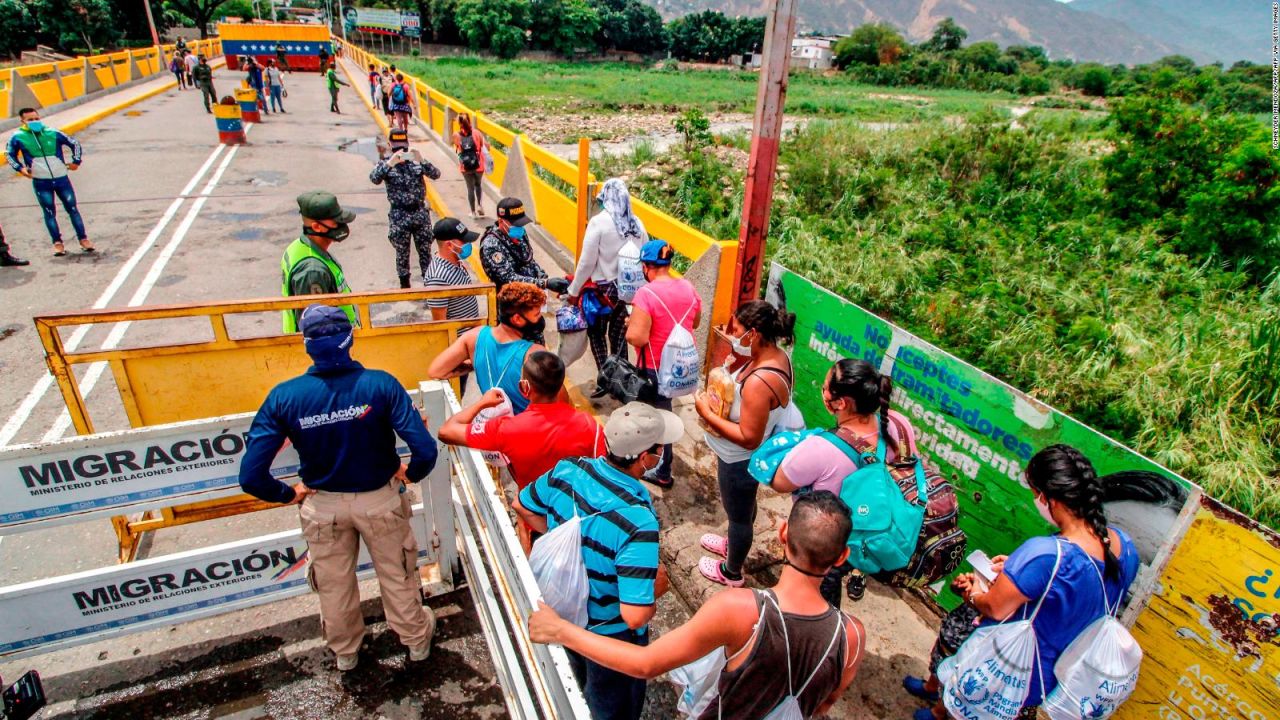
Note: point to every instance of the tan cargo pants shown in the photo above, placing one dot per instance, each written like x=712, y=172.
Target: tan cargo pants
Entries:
x=334, y=524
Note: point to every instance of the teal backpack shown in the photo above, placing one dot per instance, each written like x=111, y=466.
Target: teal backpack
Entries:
x=886, y=527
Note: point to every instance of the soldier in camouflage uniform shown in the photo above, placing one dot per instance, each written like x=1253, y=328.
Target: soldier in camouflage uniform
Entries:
x=403, y=171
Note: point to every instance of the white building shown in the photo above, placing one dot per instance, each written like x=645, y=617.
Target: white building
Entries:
x=813, y=53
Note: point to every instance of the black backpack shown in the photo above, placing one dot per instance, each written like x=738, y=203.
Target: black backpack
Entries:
x=468, y=155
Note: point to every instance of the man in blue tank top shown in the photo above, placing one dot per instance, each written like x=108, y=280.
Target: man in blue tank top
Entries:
x=496, y=354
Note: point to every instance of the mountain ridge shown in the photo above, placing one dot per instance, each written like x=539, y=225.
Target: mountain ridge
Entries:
x=1076, y=33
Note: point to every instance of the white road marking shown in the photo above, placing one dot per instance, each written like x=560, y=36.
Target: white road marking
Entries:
x=91, y=377
x=19, y=417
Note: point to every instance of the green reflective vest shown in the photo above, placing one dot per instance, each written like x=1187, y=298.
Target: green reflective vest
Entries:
x=298, y=251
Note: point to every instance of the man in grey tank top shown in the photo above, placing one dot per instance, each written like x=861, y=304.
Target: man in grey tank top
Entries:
x=821, y=646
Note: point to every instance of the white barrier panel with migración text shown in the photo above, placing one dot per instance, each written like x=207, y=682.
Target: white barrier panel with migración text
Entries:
x=116, y=472
x=69, y=610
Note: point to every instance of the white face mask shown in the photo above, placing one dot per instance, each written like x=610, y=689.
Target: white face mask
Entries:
x=1043, y=507
x=739, y=348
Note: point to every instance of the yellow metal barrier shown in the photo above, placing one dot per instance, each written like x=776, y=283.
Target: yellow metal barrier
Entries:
x=225, y=375
x=59, y=82
x=174, y=382
x=560, y=215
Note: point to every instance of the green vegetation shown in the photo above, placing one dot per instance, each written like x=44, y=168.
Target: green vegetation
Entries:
x=1116, y=268
x=608, y=87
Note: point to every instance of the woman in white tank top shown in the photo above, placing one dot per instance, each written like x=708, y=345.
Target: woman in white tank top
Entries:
x=762, y=396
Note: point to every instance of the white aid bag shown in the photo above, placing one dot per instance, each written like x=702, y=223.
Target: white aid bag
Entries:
x=680, y=365
x=561, y=572
x=990, y=676
x=630, y=272
x=701, y=682
x=504, y=409
x=1098, y=670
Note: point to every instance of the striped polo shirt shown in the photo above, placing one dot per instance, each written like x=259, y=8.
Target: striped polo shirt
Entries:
x=619, y=533
x=442, y=273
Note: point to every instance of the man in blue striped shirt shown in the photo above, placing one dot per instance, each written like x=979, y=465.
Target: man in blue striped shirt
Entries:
x=619, y=542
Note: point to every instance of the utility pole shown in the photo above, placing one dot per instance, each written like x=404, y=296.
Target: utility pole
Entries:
x=155, y=36
x=766, y=136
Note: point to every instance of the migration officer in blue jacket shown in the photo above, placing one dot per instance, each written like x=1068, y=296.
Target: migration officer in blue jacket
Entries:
x=343, y=420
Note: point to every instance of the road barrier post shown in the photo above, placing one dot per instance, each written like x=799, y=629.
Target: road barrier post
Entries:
x=247, y=98
x=229, y=122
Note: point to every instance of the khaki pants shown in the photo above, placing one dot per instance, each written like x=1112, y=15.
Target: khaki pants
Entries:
x=333, y=524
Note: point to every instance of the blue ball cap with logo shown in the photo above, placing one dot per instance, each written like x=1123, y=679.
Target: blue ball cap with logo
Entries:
x=323, y=320
x=656, y=252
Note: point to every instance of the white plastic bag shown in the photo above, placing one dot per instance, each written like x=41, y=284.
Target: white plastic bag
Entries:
x=561, y=573
x=1098, y=670
x=493, y=457
x=681, y=364
x=701, y=682
x=630, y=272
x=990, y=676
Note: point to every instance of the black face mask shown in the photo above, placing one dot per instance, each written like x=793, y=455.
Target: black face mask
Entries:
x=531, y=331
x=336, y=234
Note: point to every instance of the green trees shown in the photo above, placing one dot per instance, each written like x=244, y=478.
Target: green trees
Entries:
x=871, y=44
x=1210, y=184
x=564, y=26
x=496, y=25
x=16, y=27
x=72, y=24
x=947, y=37
x=200, y=11
x=710, y=36
x=629, y=25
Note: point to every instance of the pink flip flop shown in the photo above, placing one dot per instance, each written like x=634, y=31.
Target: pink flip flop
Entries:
x=710, y=569
x=714, y=543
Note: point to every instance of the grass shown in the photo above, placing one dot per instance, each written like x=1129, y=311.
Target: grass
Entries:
x=600, y=88
x=991, y=243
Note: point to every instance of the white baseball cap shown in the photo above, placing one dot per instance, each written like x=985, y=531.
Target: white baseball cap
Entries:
x=635, y=427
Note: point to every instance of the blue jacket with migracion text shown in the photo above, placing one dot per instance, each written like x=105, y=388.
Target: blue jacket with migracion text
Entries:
x=343, y=422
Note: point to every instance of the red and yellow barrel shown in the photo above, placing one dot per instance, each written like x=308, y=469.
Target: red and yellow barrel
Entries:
x=230, y=124
x=247, y=99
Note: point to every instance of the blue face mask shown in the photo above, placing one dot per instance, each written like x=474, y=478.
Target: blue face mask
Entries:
x=515, y=233
x=35, y=126
x=465, y=252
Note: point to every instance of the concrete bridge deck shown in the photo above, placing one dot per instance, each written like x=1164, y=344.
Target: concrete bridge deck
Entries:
x=178, y=218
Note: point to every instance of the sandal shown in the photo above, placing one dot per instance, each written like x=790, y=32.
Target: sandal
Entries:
x=713, y=570
x=915, y=687
x=714, y=543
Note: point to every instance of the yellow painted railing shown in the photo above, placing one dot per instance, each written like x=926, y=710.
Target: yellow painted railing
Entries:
x=558, y=213
x=59, y=82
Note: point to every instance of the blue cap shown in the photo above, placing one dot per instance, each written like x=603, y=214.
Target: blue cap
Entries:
x=656, y=252
x=323, y=320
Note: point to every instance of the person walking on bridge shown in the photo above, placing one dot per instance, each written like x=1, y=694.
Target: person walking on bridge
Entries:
x=189, y=63
x=343, y=420
x=331, y=79
x=275, y=86
x=409, y=220
x=282, y=58
x=203, y=76
x=254, y=77
x=35, y=151
x=307, y=267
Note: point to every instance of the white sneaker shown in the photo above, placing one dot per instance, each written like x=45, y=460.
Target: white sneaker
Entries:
x=418, y=653
x=347, y=663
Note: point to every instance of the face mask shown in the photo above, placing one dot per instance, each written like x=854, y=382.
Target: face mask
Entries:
x=1043, y=507
x=336, y=234
x=329, y=351
x=739, y=348
x=35, y=126
x=657, y=464
x=465, y=252
x=515, y=233
x=532, y=330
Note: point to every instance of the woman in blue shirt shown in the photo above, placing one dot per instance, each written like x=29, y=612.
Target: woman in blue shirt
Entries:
x=1068, y=494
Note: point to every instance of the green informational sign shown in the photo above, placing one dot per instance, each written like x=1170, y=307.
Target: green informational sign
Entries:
x=976, y=429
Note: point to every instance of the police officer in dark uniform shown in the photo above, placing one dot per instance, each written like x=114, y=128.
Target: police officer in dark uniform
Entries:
x=403, y=171
x=507, y=255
